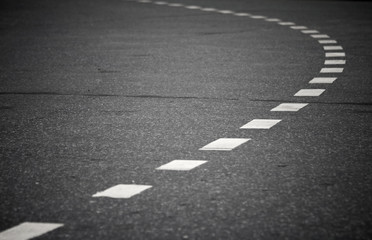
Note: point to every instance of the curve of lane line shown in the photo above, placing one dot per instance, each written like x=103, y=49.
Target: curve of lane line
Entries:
x=333, y=65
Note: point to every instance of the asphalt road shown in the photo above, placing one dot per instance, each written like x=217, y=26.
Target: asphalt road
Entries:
x=99, y=93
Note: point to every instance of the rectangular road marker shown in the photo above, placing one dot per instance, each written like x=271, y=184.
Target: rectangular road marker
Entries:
x=225, y=144
x=332, y=47
x=257, y=17
x=181, y=165
x=310, y=31
x=323, y=80
x=286, y=23
x=309, y=92
x=225, y=11
x=242, y=14
x=298, y=27
x=175, y=4
x=208, y=9
x=327, y=41
x=272, y=19
x=331, y=70
x=28, y=230
x=319, y=36
x=334, y=62
x=289, y=107
x=261, y=124
x=335, y=54
x=122, y=191
x=193, y=7
x=160, y=3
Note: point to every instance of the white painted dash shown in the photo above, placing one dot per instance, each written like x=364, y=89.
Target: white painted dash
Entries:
x=332, y=47
x=319, y=36
x=272, y=19
x=175, y=5
x=160, y=3
x=242, y=14
x=323, y=80
x=28, y=230
x=225, y=144
x=334, y=62
x=261, y=124
x=257, y=17
x=208, y=9
x=122, y=191
x=327, y=41
x=310, y=31
x=225, y=11
x=309, y=92
x=181, y=165
x=298, y=27
x=289, y=107
x=331, y=70
x=286, y=23
x=335, y=54
x=193, y=7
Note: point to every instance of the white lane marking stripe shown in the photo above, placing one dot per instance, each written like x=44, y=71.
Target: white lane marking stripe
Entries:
x=122, y=191
x=175, y=5
x=298, y=27
x=208, y=9
x=160, y=3
x=261, y=124
x=272, y=19
x=242, y=14
x=289, y=107
x=181, y=165
x=327, y=41
x=335, y=54
x=323, y=80
x=309, y=31
x=257, y=17
x=143, y=1
x=332, y=47
x=309, y=92
x=193, y=7
x=319, y=36
x=286, y=23
x=225, y=144
x=331, y=70
x=28, y=230
x=334, y=62
x=225, y=11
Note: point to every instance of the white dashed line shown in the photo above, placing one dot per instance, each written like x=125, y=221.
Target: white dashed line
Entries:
x=309, y=92
x=175, y=5
x=319, y=36
x=334, y=62
x=331, y=70
x=298, y=27
x=225, y=11
x=286, y=23
x=224, y=144
x=28, y=230
x=257, y=17
x=144, y=1
x=181, y=165
x=261, y=124
x=242, y=14
x=335, y=54
x=193, y=7
x=289, y=107
x=208, y=9
x=327, y=41
x=323, y=80
x=332, y=47
x=272, y=20
x=309, y=31
x=160, y=3
x=122, y=191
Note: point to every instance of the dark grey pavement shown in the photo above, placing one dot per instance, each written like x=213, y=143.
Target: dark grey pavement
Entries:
x=99, y=93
